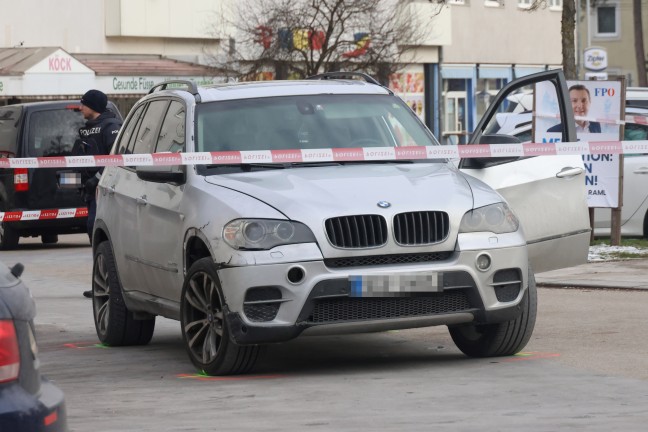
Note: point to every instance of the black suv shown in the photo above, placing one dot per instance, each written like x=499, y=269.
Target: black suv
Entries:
x=39, y=129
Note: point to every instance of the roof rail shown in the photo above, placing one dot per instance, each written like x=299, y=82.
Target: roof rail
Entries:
x=191, y=86
x=342, y=75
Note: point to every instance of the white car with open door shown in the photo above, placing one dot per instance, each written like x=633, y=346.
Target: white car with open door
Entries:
x=303, y=233
x=547, y=193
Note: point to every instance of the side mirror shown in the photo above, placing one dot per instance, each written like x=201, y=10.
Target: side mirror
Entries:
x=173, y=174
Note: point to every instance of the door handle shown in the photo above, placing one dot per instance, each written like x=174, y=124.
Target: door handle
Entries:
x=642, y=170
x=569, y=172
x=111, y=190
x=141, y=200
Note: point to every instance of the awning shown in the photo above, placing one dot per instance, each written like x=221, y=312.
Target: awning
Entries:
x=127, y=74
x=49, y=72
x=45, y=71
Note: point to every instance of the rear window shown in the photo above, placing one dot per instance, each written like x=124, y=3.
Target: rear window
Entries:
x=53, y=132
x=9, y=121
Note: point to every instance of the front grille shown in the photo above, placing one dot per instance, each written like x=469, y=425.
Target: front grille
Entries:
x=356, y=232
x=420, y=228
x=376, y=260
x=358, y=309
x=262, y=303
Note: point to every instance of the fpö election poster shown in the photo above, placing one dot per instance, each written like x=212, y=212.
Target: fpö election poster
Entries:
x=597, y=111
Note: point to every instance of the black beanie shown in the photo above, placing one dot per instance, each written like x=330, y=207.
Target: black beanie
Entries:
x=95, y=100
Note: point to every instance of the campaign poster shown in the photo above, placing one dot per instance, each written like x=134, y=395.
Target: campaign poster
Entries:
x=597, y=112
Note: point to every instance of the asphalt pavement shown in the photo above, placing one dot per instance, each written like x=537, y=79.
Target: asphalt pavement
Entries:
x=622, y=274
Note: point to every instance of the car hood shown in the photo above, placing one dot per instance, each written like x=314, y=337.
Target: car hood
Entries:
x=320, y=192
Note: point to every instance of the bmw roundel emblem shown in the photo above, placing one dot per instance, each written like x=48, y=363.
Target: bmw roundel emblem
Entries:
x=383, y=204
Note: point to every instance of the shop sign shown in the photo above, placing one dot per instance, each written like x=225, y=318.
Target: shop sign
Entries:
x=142, y=84
x=59, y=62
x=595, y=59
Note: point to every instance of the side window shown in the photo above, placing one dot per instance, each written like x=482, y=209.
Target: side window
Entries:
x=635, y=132
x=172, y=133
x=126, y=142
x=9, y=120
x=148, y=129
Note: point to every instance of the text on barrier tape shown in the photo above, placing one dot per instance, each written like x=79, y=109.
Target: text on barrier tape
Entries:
x=29, y=215
x=333, y=155
x=628, y=119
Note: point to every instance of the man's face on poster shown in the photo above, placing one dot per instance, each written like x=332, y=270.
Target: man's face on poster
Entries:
x=580, y=101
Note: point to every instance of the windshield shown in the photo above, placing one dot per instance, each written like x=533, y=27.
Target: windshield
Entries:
x=308, y=122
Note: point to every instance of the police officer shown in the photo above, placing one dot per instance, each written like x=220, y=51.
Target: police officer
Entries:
x=95, y=138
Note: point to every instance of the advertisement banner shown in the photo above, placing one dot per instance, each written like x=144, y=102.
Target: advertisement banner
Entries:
x=409, y=85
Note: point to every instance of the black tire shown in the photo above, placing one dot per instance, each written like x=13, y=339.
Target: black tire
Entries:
x=114, y=323
x=204, y=327
x=49, y=238
x=9, y=237
x=500, y=339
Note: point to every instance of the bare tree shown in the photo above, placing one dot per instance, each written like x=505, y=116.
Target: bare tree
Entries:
x=567, y=29
x=640, y=54
x=299, y=38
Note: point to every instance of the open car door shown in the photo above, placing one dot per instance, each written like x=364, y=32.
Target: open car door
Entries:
x=546, y=192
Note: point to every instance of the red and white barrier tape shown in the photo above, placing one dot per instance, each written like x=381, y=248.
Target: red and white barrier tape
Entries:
x=333, y=155
x=636, y=119
x=16, y=216
x=628, y=119
x=314, y=155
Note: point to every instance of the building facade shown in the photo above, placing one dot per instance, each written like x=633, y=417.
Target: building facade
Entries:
x=610, y=25
x=470, y=50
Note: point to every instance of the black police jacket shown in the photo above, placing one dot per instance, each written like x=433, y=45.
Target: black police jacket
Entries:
x=96, y=138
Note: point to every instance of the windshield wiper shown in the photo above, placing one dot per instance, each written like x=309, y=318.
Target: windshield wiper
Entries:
x=248, y=166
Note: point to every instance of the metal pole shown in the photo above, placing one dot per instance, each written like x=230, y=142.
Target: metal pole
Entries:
x=578, y=40
x=589, y=26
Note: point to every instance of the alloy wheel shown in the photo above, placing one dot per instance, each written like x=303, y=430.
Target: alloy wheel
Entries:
x=203, y=318
x=101, y=294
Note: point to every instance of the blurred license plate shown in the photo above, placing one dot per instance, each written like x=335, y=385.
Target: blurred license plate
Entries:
x=395, y=285
x=69, y=180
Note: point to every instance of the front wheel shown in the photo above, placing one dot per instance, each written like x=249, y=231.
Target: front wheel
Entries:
x=500, y=339
x=204, y=326
x=114, y=323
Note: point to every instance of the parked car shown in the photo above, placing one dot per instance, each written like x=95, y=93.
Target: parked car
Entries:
x=28, y=401
x=247, y=252
x=36, y=129
x=634, y=211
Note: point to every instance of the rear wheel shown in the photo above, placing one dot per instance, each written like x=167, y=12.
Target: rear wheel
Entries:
x=49, y=238
x=204, y=327
x=114, y=323
x=8, y=237
x=500, y=339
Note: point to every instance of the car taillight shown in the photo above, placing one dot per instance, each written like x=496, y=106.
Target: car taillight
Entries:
x=9, y=355
x=21, y=179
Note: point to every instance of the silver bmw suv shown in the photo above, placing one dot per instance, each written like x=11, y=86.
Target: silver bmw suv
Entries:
x=257, y=245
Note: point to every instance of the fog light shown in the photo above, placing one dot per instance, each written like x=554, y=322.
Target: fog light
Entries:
x=296, y=275
x=483, y=262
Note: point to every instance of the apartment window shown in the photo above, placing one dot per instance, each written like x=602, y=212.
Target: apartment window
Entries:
x=458, y=2
x=524, y=4
x=555, y=4
x=493, y=3
x=607, y=20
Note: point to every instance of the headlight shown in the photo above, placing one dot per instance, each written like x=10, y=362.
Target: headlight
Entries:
x=264, y=234
x=497, y=218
